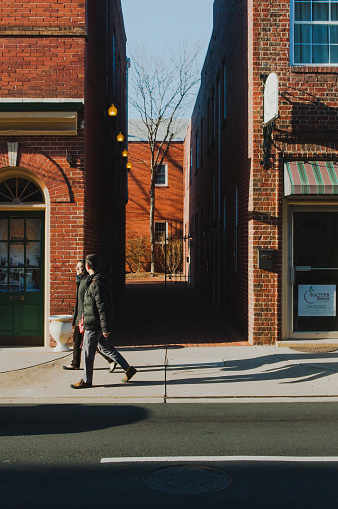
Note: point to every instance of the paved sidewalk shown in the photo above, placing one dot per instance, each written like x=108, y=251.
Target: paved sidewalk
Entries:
x=186, y=351
x=195, y=374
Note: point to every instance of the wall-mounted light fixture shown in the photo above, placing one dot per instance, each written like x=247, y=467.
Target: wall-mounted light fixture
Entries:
x=70, y=159
x=128, y=166
x=125, y=153
x=112, y=110
x=120, y=137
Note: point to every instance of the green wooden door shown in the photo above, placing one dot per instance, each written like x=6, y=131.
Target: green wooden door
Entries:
x=21, y=278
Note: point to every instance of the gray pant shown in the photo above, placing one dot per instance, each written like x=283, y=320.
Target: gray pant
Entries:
x=92, y=340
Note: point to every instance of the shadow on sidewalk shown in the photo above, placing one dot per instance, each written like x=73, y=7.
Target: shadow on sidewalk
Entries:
x=266, y=368
x=152, y=313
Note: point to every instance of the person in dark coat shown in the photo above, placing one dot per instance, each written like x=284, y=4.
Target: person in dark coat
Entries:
x=81, y=287
x=98, y=315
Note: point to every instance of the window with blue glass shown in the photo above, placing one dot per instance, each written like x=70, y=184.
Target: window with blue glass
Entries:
x=314, y=32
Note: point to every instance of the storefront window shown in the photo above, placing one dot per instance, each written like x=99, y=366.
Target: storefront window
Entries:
x=315, y=262
x=20, y=254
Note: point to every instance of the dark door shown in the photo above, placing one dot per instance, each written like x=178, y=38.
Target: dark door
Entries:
x=315, y=271
x=22, y=278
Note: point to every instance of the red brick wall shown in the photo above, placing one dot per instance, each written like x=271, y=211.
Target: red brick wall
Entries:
x=46, y=54
x=304, y=130
x=258, y=35
x=28, y=13
x=224, y=166
x=105, y=176
x=37, y=60
x=168, y=199
x=46, y=67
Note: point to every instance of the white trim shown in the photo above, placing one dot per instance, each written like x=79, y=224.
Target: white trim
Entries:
x=19, y=100
x=12, y=149
x=165, y=176
x=274, y=459
x=166, y=229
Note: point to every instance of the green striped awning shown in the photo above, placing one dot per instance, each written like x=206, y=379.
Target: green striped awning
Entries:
x=311, y=177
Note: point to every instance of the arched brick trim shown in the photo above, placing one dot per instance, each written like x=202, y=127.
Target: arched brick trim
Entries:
x=49, y=172
x=45, y=169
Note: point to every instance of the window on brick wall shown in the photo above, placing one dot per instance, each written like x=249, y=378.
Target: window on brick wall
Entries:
x=314, y=32
x=208, y=124
x=197, y=151
x=201, y=142
x=162, y=176
x=224, y=95
x=190, y=166
x=161, y=232
x=214, y=109
x=236, y=231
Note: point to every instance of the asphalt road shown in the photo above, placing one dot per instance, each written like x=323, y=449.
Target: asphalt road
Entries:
x=51, y=455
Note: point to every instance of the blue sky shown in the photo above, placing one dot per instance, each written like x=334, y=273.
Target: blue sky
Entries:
x=162, y=23
x=167, y=22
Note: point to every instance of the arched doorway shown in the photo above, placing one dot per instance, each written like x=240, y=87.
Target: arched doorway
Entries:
x=22, y=227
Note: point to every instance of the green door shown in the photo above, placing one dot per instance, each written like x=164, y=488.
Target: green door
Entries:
x=21, y=278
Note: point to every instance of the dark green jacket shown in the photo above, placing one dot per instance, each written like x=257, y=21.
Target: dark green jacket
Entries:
x=98, y=307
x=81, y=287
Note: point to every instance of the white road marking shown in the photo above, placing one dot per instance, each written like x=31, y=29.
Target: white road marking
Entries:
x=276, y=459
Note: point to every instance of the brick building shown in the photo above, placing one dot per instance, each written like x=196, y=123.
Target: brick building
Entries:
x=62, y=179
x=169, y=197
x=263, y=207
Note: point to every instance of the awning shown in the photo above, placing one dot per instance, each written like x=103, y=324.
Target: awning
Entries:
x=311, y=177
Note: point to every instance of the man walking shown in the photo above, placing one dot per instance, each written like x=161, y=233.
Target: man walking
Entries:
x=98, y=314
x=81, y=287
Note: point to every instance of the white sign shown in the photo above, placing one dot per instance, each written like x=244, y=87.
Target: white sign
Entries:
x=271, y=98
x=316, y=300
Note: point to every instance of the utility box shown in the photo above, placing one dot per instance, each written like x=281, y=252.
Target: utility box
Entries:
x=267, y=259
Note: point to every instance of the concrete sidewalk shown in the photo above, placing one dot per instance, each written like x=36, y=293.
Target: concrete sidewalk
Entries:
x=172, y=374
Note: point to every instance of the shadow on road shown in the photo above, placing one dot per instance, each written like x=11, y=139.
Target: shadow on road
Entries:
x=61, y=419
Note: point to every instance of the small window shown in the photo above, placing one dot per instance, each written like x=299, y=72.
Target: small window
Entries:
x=18, y=191
x=197, y=151
x=160, y=232
x=190, y=165
x=162, y=176
x=236, y=231
x=224, y=93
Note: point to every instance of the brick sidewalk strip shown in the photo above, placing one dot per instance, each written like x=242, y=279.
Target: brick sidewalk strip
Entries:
x=153, y=313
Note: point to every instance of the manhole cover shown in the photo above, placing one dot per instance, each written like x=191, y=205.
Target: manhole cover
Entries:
x=187, y=480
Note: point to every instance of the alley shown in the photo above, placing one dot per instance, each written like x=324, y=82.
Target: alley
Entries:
x=154, y=313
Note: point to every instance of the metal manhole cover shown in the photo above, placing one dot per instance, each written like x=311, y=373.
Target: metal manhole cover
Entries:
x=187, y=480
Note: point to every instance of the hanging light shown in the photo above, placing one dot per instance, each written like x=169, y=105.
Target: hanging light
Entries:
x=125, y=153
x=128, y=166
x=120, y=137
x=112, y=111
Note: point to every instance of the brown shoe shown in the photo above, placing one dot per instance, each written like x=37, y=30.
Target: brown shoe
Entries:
x=81, y=385
x=129, y=374
x=70, y=367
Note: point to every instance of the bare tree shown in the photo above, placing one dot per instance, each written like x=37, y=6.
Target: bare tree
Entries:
x=170, y=253
x=136, y=248
x=162, y=88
